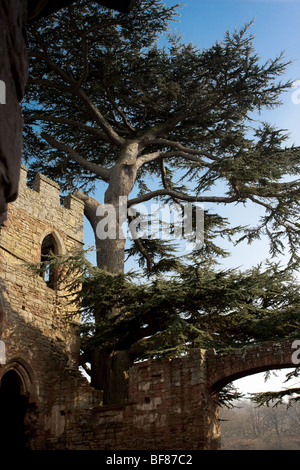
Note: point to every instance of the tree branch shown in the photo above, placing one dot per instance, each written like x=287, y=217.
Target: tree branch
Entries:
x=90, y=166
x=164, y=179
x=90, y=211
x=178, y=146
x=49, y=83
x=112, y=135
x=272, y=210
x=90, y=208
x=141, y=248
x=91, y=108
x=159, y=154
x=69, y=122
x=53, y=65
x=85, y=61
x=261, y=203
x=119, y=111
x=181, y=196
x=163, y=173
x=164, y=128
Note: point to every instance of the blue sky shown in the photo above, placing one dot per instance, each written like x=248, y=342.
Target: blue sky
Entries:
x=276, y=28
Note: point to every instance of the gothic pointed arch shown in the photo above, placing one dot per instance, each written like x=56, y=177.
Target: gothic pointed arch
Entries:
x=17, y=397
x=51, y=243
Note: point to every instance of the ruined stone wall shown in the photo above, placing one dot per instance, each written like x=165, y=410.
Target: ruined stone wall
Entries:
x=41, y=342
x=227, y=367
x=172, y=404
x=168, y=408
x=35, y=214
x=168, y=405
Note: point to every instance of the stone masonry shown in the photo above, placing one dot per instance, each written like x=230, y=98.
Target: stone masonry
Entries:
x=41, y=343
x=172, y=404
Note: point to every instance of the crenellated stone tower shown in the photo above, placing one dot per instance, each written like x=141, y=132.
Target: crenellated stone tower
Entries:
x=41, y=340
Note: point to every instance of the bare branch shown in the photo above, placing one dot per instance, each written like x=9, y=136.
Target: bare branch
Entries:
x=83, y=35
x=67, y=77
x=261, y=203
x=141, y=248
x=159, y=154
x=178, y=146
x=165, y=127
x=100, y=119
x=90, y=166
x=85, y=61
x=93, y=111
x=148, y=158
x=119, y=111
x=163, y=173
x=50, y=84
x=90, y=208
x=181, y=196
x=69, y=122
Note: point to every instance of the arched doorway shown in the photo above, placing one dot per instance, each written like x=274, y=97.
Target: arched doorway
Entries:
x=12, y=412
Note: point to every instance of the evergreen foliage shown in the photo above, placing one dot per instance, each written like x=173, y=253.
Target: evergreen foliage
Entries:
x=288, y=396
x=198, y=306
x=107, y=101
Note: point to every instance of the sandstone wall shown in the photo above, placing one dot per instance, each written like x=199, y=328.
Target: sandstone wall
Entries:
x=172, y=404
x=40, y=337
x=169, y=408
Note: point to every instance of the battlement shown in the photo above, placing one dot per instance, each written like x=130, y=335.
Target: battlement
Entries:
x=47, y=187
x=43, y=202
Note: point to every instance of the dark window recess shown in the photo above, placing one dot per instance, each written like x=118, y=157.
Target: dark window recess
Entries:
x=48, y=273
x=12, y=413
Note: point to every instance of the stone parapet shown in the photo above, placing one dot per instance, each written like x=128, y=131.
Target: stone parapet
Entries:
x=43, y=202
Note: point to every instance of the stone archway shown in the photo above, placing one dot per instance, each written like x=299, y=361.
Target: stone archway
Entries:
x=13, y=404
x=18, y=405
x=227, y=367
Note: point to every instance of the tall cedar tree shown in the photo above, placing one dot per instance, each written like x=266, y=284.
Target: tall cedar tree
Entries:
x=107, y=103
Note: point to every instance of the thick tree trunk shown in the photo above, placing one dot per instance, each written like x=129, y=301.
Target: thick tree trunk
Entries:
x=109, y=368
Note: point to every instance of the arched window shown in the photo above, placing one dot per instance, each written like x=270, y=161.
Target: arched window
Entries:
x=49, y=246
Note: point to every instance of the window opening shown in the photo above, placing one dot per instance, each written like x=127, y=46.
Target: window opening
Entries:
x=49, y=273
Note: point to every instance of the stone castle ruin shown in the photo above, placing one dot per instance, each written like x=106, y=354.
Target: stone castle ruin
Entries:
x=45, y=402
